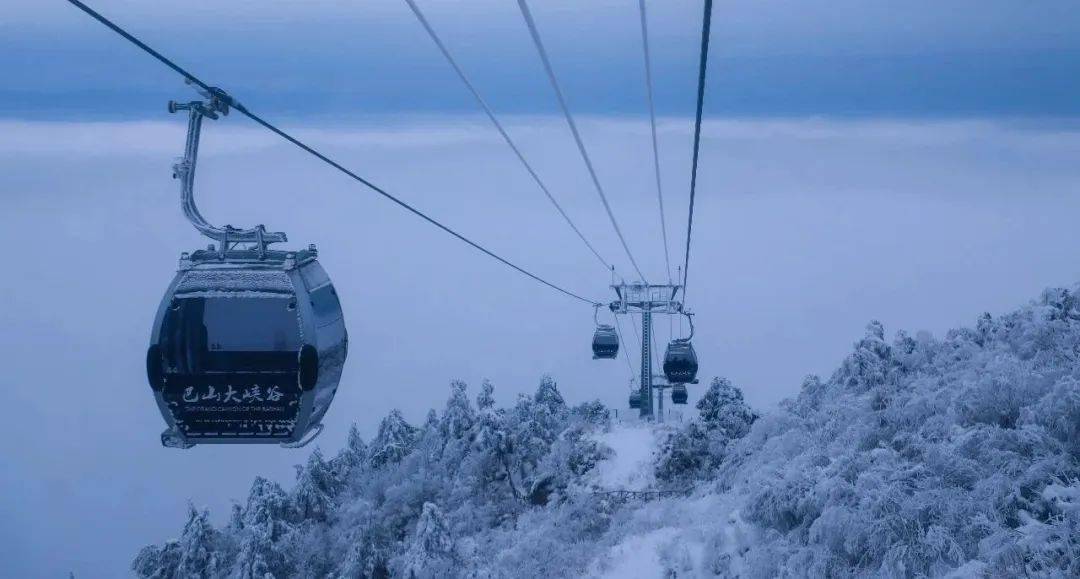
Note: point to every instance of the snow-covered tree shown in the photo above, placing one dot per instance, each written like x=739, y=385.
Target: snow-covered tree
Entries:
x=263, y=541
x=154, y=562
x=684, y=455
x=695, y=450
x=351, y=458
x=485, y=400
x=535, y=425
x=394, y=441
x=197, y=554
x=430, y=550
x=722, y=408
x=548, y=396
x=459, y=416
x=198, y=545
x=488, y=465
x=317, y=486
x=868, y=365
x=593, y=412
x=918, y=457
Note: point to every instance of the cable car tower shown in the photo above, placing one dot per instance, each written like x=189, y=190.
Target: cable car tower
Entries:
x=647, y=299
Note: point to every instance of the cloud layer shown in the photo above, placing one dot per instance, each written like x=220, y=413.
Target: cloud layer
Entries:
x=805, y=231
x=847, y=58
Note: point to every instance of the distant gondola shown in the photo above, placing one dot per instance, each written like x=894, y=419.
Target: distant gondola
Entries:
x=605, y=343
x=680, y=362
x=635, y=399
x=679, y=394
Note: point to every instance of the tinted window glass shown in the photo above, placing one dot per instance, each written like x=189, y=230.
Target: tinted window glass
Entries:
x=251, y=325
x=231, y=335
x=325, y=304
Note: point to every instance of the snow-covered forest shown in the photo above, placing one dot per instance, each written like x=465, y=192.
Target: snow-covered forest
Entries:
x=920, y=455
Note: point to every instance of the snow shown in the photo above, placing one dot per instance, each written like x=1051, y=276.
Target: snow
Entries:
x=638, y=557
x=232, y=280
x=668, y=538
x=630, y=466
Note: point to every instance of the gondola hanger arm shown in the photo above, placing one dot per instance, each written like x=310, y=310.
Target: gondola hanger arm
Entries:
x=216, y=105
x=221, y=95
x=690, y=318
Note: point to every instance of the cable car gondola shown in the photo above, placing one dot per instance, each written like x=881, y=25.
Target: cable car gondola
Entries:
x=635, y=399
x=605, y=342
x=248, y=343
x=680, y=360
x=679, y=394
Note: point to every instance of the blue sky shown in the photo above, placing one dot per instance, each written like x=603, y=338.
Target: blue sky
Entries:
x=339, y=59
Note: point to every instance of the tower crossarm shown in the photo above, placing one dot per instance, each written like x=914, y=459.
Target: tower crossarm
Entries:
x=637, y=296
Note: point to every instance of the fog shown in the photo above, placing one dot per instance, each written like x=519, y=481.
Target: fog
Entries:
x=805, y=231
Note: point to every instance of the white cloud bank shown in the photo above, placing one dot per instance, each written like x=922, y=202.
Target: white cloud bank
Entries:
x=805, y=230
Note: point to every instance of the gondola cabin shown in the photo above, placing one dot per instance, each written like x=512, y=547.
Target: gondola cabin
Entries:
x=679, y=394
x=247, y=347
x=605, y=343
x=680, y=362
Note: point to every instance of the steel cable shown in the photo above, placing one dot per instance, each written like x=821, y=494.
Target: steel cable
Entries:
x=267, y=125
x=498, y=125
x=626, y=353
x=527, y=14
x=652, y=122
x=706, y=25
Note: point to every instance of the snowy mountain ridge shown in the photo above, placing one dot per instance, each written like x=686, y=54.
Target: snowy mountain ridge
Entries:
x=919, y=456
